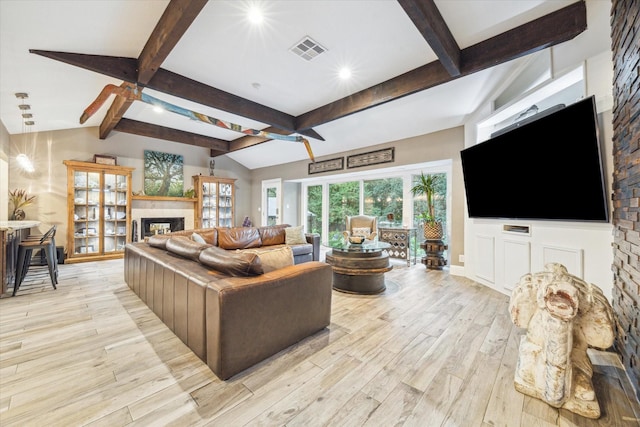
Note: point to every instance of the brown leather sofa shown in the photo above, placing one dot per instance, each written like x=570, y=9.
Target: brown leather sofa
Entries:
x=230, y=321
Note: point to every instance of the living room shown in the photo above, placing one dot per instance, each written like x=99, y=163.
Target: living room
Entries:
x=51, y=148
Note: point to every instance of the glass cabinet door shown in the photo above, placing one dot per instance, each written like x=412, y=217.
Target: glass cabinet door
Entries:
x=209, y=204
x=86, y=213
x=99, y=204
x=115, y=212
x=225, y=206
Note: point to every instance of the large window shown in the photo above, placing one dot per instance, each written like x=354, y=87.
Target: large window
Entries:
x=344, y=199
x=314, y=209
x=383, y=199
x=383, y=193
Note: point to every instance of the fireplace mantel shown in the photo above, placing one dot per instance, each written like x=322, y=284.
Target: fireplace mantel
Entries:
x=165, y=199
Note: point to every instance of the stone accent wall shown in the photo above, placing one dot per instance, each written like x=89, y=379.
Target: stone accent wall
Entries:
x=625, y=35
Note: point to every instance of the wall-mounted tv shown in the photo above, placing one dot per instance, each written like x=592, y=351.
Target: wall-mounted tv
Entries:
x=550, y=168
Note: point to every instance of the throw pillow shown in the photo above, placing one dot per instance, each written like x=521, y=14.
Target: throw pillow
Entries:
x=274, y=259
x=361, y=231
x=232, y=263
x=294, y=236
x=197, y=238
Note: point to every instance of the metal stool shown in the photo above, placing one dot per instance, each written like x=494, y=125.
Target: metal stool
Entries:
x=47, y=243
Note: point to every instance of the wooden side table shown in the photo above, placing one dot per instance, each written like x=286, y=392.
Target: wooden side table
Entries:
x=434, y=258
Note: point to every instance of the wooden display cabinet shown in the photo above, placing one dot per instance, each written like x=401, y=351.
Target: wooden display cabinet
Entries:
x=99, y=210
x=215, y=206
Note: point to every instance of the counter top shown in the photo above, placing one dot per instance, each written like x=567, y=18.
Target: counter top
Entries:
x=18, y=225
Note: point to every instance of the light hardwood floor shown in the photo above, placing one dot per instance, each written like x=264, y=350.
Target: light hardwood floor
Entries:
x=432, y=350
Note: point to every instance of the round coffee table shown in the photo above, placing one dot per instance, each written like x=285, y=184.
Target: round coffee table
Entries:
x=359, y=269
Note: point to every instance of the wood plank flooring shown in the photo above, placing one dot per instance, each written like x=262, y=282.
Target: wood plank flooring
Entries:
x=432, y=350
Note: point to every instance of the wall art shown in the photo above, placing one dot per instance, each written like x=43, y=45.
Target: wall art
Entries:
x=326, y=165
x=163, y=174
x=385, y=155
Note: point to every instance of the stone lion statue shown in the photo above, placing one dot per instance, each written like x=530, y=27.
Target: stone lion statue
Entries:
x=563, y=316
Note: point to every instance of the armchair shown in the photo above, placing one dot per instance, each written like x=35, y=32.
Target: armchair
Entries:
x=361, y=225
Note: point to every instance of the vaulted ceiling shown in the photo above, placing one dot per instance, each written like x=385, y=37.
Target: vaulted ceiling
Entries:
x=418, y=66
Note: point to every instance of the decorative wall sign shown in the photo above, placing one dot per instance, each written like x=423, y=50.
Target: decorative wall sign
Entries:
x=103, y=159
x=327, y=165
x=385, y=155
x=163, y=174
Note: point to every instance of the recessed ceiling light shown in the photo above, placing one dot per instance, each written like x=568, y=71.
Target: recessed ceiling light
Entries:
x=345, y=73
x=158, y=109
x=255, y=15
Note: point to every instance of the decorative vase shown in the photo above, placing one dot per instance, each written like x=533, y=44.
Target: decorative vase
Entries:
x=18, y=215
x=433, y=231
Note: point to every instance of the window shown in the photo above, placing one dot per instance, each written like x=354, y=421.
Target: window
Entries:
x=314, y=209
x=344, y=199
x=383, y=199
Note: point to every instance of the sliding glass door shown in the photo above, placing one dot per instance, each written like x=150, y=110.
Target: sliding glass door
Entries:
x=344, y=199
x=314, y=209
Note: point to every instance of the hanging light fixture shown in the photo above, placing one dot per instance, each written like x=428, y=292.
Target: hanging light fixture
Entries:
x=23, y=160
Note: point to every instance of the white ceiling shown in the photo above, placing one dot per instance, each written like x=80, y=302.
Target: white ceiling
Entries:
x=222, y=49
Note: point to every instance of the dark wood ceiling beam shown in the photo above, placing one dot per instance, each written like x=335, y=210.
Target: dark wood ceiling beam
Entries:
x=118, y=67
x=175, y=21
x=180, y=86
x=428, y=20
x=541, y=33
x=168, y=134
x=549, y=30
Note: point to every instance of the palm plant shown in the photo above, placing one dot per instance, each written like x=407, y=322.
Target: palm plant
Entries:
x=429, y=185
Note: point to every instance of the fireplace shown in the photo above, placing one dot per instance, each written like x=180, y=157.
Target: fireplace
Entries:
x=151, y=226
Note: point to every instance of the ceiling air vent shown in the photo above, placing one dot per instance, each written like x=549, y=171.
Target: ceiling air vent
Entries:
x=307, y=48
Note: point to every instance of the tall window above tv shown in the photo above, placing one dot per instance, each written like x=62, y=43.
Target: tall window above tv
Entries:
x=550, y=168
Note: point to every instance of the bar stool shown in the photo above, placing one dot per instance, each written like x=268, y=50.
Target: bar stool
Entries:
x=47, y=243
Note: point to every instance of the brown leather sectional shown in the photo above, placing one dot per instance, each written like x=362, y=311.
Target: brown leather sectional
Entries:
x=230, y=322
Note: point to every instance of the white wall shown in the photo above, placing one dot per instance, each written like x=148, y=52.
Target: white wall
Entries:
x=49, y=182
x=4, y=174
x=497, y=258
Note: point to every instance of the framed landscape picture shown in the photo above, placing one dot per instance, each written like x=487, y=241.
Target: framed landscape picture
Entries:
x=163, y=174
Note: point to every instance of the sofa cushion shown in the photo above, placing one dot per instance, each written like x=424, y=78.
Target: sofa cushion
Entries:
x=272, y=235
x=239, y=238
x=232, y=263
x=307, y=248
x=160, y=240
x=274, y=259
x=294, y=235
x=210, y=235
x=185, y=247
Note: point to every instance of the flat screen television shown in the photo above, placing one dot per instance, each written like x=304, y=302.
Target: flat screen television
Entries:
x=550, y=168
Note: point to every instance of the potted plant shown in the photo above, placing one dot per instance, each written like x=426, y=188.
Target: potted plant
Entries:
x=20, y=199
x=429, y=185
